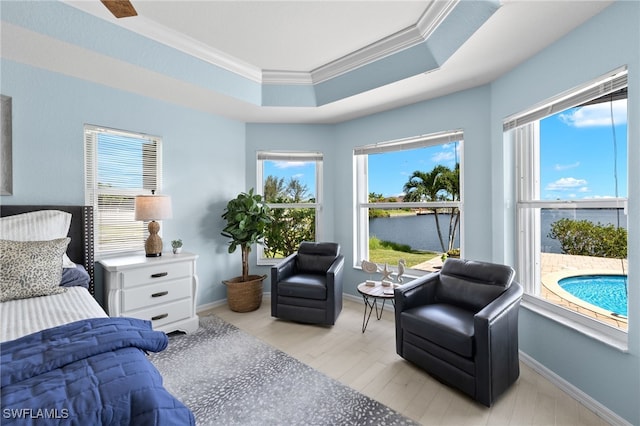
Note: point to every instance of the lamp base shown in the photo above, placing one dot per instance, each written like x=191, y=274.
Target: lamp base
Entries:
x=153, y=245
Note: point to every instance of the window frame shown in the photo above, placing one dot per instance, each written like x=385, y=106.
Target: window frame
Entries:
x=361, y=190
x=523, y=132
x=132, y=243
x=307, y=156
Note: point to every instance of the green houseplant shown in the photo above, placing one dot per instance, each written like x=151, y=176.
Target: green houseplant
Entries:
x=247, y=218
x=176, y=245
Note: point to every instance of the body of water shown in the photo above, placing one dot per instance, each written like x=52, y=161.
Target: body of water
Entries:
x=419, y=231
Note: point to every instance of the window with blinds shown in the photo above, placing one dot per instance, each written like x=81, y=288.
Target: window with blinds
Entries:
x=118, y=166
x=291, y=183
x=571, y=173
x=409, y=200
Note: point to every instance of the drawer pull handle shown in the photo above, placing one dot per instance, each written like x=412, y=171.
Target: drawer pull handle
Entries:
x=159, y=275
x=160, y=294
x=159, y=317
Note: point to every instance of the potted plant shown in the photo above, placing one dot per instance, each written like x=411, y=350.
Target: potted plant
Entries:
x=176, y=245
x=248, y=218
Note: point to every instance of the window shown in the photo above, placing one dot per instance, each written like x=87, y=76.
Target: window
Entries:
x=291, y=185
x=118, y=166
x=409, y=201
x=571, y=161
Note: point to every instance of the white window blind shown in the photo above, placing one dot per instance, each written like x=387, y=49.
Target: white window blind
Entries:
x=118, y=166
x=612, y=82
x=289, y=156
x=411, y=143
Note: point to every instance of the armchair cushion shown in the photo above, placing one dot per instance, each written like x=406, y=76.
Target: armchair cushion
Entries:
x=452, y=327
x=306, y=286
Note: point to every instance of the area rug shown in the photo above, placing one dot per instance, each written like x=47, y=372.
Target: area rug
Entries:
x=228, y=377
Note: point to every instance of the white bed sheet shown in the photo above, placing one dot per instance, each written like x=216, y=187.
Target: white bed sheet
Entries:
x=25, y=316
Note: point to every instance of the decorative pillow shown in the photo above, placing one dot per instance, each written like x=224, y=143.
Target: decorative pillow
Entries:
x=75, y=277
x=31, y=268
x=41, y=225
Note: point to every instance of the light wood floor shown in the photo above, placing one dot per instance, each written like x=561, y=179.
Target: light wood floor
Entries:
x=368, y=363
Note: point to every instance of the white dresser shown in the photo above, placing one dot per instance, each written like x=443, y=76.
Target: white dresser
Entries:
x=159, y=289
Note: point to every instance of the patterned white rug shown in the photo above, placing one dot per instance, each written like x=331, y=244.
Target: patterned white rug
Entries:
x=228, y=377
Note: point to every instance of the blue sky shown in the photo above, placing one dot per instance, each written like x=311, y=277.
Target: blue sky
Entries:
x=577, y=152
x=576, y=157
x=388, y=172
x=305, y=172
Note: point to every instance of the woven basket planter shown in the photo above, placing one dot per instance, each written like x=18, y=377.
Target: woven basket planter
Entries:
x=244, y=296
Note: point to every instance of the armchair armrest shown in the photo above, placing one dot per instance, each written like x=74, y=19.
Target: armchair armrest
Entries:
x=334, y=273
x=420, y=291
x=334, y=277
x=284, y=269
x=496, y=333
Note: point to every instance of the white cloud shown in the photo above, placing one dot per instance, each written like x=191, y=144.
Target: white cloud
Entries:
x=442, y=157
x=561, y=167
x=568, y=184
x=290, y=164
x=597, y=115
x=448, y=154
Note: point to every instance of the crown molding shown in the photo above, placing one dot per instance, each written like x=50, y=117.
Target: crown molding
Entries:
x=432, y=17
x=287, y=77
x=179, y=41
x=435, y=13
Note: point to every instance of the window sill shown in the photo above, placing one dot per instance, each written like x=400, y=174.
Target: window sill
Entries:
x=604, y=333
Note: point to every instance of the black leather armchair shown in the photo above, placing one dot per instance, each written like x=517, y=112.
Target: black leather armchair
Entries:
x=307, y=285
x=461, y=326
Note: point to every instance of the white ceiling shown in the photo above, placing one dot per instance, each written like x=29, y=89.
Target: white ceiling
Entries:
x=304, y=35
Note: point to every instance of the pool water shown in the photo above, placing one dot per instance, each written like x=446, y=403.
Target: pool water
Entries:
x=608, y=292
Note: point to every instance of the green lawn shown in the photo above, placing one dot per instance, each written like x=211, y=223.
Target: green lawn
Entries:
x=391, y=256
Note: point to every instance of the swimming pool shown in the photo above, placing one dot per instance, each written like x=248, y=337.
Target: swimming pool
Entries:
x=608, y=292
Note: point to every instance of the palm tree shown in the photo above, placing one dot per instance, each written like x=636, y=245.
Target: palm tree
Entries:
x=429, y=186
x=452, y=178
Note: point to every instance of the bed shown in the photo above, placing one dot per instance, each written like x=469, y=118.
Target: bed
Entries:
x=64, y=361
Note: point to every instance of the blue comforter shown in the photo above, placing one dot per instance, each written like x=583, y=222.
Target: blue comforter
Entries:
x=88, y=372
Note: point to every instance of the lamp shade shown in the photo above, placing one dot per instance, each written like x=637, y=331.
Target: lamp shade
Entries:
x=153, y=207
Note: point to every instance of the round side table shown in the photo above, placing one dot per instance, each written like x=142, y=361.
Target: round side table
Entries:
x=370, y=296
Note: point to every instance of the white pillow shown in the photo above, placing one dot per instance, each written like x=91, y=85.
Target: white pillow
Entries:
x=42, y=225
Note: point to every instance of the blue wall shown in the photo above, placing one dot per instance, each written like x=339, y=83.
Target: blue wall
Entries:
x=49, y=112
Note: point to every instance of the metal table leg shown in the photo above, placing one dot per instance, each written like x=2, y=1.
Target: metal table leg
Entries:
x=371, y=305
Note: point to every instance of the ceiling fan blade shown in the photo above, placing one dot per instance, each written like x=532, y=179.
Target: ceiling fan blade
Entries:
x=120, y=8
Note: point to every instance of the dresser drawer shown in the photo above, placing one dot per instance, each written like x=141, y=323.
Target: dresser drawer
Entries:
x=155, y=294
x=164, y=314
x=155, y=273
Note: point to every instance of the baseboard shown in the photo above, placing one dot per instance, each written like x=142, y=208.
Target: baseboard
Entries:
x=600, y=410
x=208, y=306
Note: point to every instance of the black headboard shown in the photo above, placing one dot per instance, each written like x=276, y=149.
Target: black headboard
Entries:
x=80, y=248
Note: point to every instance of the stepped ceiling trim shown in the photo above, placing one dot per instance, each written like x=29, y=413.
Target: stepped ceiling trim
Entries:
x=435, y=13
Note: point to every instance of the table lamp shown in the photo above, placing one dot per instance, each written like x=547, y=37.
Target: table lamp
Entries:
x=151, y=208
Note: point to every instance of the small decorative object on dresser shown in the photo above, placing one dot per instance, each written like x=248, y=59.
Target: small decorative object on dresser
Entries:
x=176, y=245
x=159, y=289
